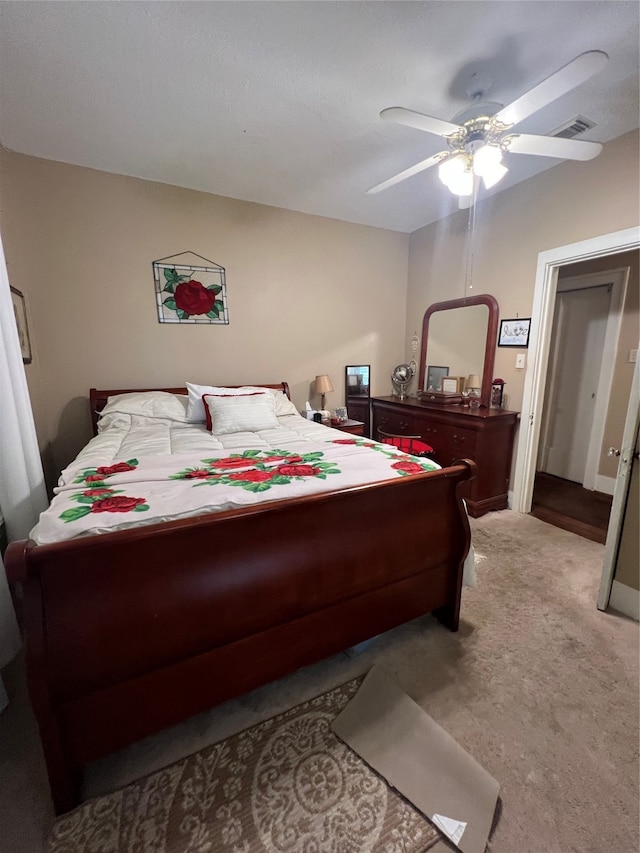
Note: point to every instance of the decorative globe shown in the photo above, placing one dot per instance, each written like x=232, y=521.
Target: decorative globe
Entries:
x=402, y=373
x=401, y=376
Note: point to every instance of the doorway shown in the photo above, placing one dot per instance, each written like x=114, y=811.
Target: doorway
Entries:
x=577, y=386
x=549, y=264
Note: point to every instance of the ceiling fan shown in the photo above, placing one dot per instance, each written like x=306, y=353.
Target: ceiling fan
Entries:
x=478, y=137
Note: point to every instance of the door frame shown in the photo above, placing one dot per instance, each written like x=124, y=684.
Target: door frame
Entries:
x=539, y=342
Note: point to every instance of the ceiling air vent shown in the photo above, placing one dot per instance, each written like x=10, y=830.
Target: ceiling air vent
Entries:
x=573, y=127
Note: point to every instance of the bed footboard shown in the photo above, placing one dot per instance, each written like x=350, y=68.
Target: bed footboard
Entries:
x=129, y=632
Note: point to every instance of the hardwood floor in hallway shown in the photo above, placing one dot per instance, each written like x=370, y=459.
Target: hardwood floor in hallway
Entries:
x=568, y=505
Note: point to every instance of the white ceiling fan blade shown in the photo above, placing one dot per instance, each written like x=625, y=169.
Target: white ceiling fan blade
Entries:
x=400, y=115
x=551, y=146
x=566, y=78
x=412, y=170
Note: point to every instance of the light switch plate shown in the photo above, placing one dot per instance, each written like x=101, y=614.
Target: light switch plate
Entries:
x=520, y=360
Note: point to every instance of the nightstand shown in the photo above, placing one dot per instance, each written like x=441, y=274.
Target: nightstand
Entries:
x=350, y=426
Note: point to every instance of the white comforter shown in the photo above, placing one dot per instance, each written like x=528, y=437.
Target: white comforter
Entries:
x=144, y=470
x=141, y=470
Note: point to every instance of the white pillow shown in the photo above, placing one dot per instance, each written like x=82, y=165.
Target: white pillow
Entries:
x=284, y=406
x=195, y=408
x=149, y=404
x=251, y=412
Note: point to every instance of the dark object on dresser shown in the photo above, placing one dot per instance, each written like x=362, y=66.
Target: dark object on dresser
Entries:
x=484, y=435
x=442, y=398
x=129, y=632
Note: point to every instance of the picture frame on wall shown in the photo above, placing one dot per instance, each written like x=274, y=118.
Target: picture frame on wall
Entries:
x=514, y=333
x=20, y=310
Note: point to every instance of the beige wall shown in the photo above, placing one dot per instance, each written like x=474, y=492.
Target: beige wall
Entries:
x=566, y=204
x=306, y=295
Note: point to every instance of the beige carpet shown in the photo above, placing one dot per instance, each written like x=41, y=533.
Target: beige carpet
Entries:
x=538, y=685
x=288, y=784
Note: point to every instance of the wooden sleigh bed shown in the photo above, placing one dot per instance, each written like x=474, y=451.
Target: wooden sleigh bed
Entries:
x=129, y=632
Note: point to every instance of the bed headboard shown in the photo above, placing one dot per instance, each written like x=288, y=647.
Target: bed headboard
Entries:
x=98, y=397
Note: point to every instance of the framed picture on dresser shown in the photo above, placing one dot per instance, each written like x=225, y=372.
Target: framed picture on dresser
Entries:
x=435, y=375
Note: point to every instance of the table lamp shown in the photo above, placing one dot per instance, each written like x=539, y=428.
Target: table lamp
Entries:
x=473, y=382
x=323, y=386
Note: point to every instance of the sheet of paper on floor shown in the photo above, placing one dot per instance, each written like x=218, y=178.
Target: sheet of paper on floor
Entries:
x=419, y=759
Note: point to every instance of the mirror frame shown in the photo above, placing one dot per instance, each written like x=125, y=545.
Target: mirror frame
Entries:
x=490, y=345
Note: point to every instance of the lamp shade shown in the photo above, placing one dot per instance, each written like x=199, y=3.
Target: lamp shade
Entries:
x=486, y=159
x=323, y=384
x=473, y=381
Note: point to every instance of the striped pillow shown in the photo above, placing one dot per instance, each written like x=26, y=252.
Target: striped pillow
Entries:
x=240, y=413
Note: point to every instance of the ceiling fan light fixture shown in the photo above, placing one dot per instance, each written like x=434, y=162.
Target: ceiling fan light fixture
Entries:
x=497, y=173
x=452, y=169
x=462, y=184
x=485, y=159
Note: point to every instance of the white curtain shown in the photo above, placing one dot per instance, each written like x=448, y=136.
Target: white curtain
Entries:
x=23, y=495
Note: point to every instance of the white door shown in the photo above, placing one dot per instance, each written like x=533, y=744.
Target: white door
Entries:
x=626, y=451
x=574, y=371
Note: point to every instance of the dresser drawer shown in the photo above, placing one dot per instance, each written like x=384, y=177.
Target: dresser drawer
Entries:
x=396, y=423
x=455, y=443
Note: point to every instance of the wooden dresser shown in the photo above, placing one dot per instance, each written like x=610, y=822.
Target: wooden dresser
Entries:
x=457, y=432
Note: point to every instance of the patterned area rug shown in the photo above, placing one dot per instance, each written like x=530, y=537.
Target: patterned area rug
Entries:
x=287, y=784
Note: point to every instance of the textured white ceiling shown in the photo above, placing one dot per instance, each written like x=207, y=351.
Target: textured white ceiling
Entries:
x=278, y=102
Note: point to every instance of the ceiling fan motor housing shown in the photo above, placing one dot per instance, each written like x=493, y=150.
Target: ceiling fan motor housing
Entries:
x=482, y=109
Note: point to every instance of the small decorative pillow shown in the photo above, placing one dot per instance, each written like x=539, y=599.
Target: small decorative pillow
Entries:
x=197, y=412
x=241, y=413
x=207, y=411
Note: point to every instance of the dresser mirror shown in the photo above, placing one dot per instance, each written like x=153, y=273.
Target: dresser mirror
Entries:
x=459, y=340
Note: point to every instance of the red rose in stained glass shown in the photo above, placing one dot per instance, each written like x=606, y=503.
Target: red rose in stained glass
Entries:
x=118, y=468
x=298, y=470
x=117, y=503
x=193, y=298
x=252, y=476
x=408, y=467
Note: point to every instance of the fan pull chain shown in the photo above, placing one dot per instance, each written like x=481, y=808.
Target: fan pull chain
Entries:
x=471, y=233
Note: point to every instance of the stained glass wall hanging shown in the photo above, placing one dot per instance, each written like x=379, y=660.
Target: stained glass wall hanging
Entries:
x=190, y=289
